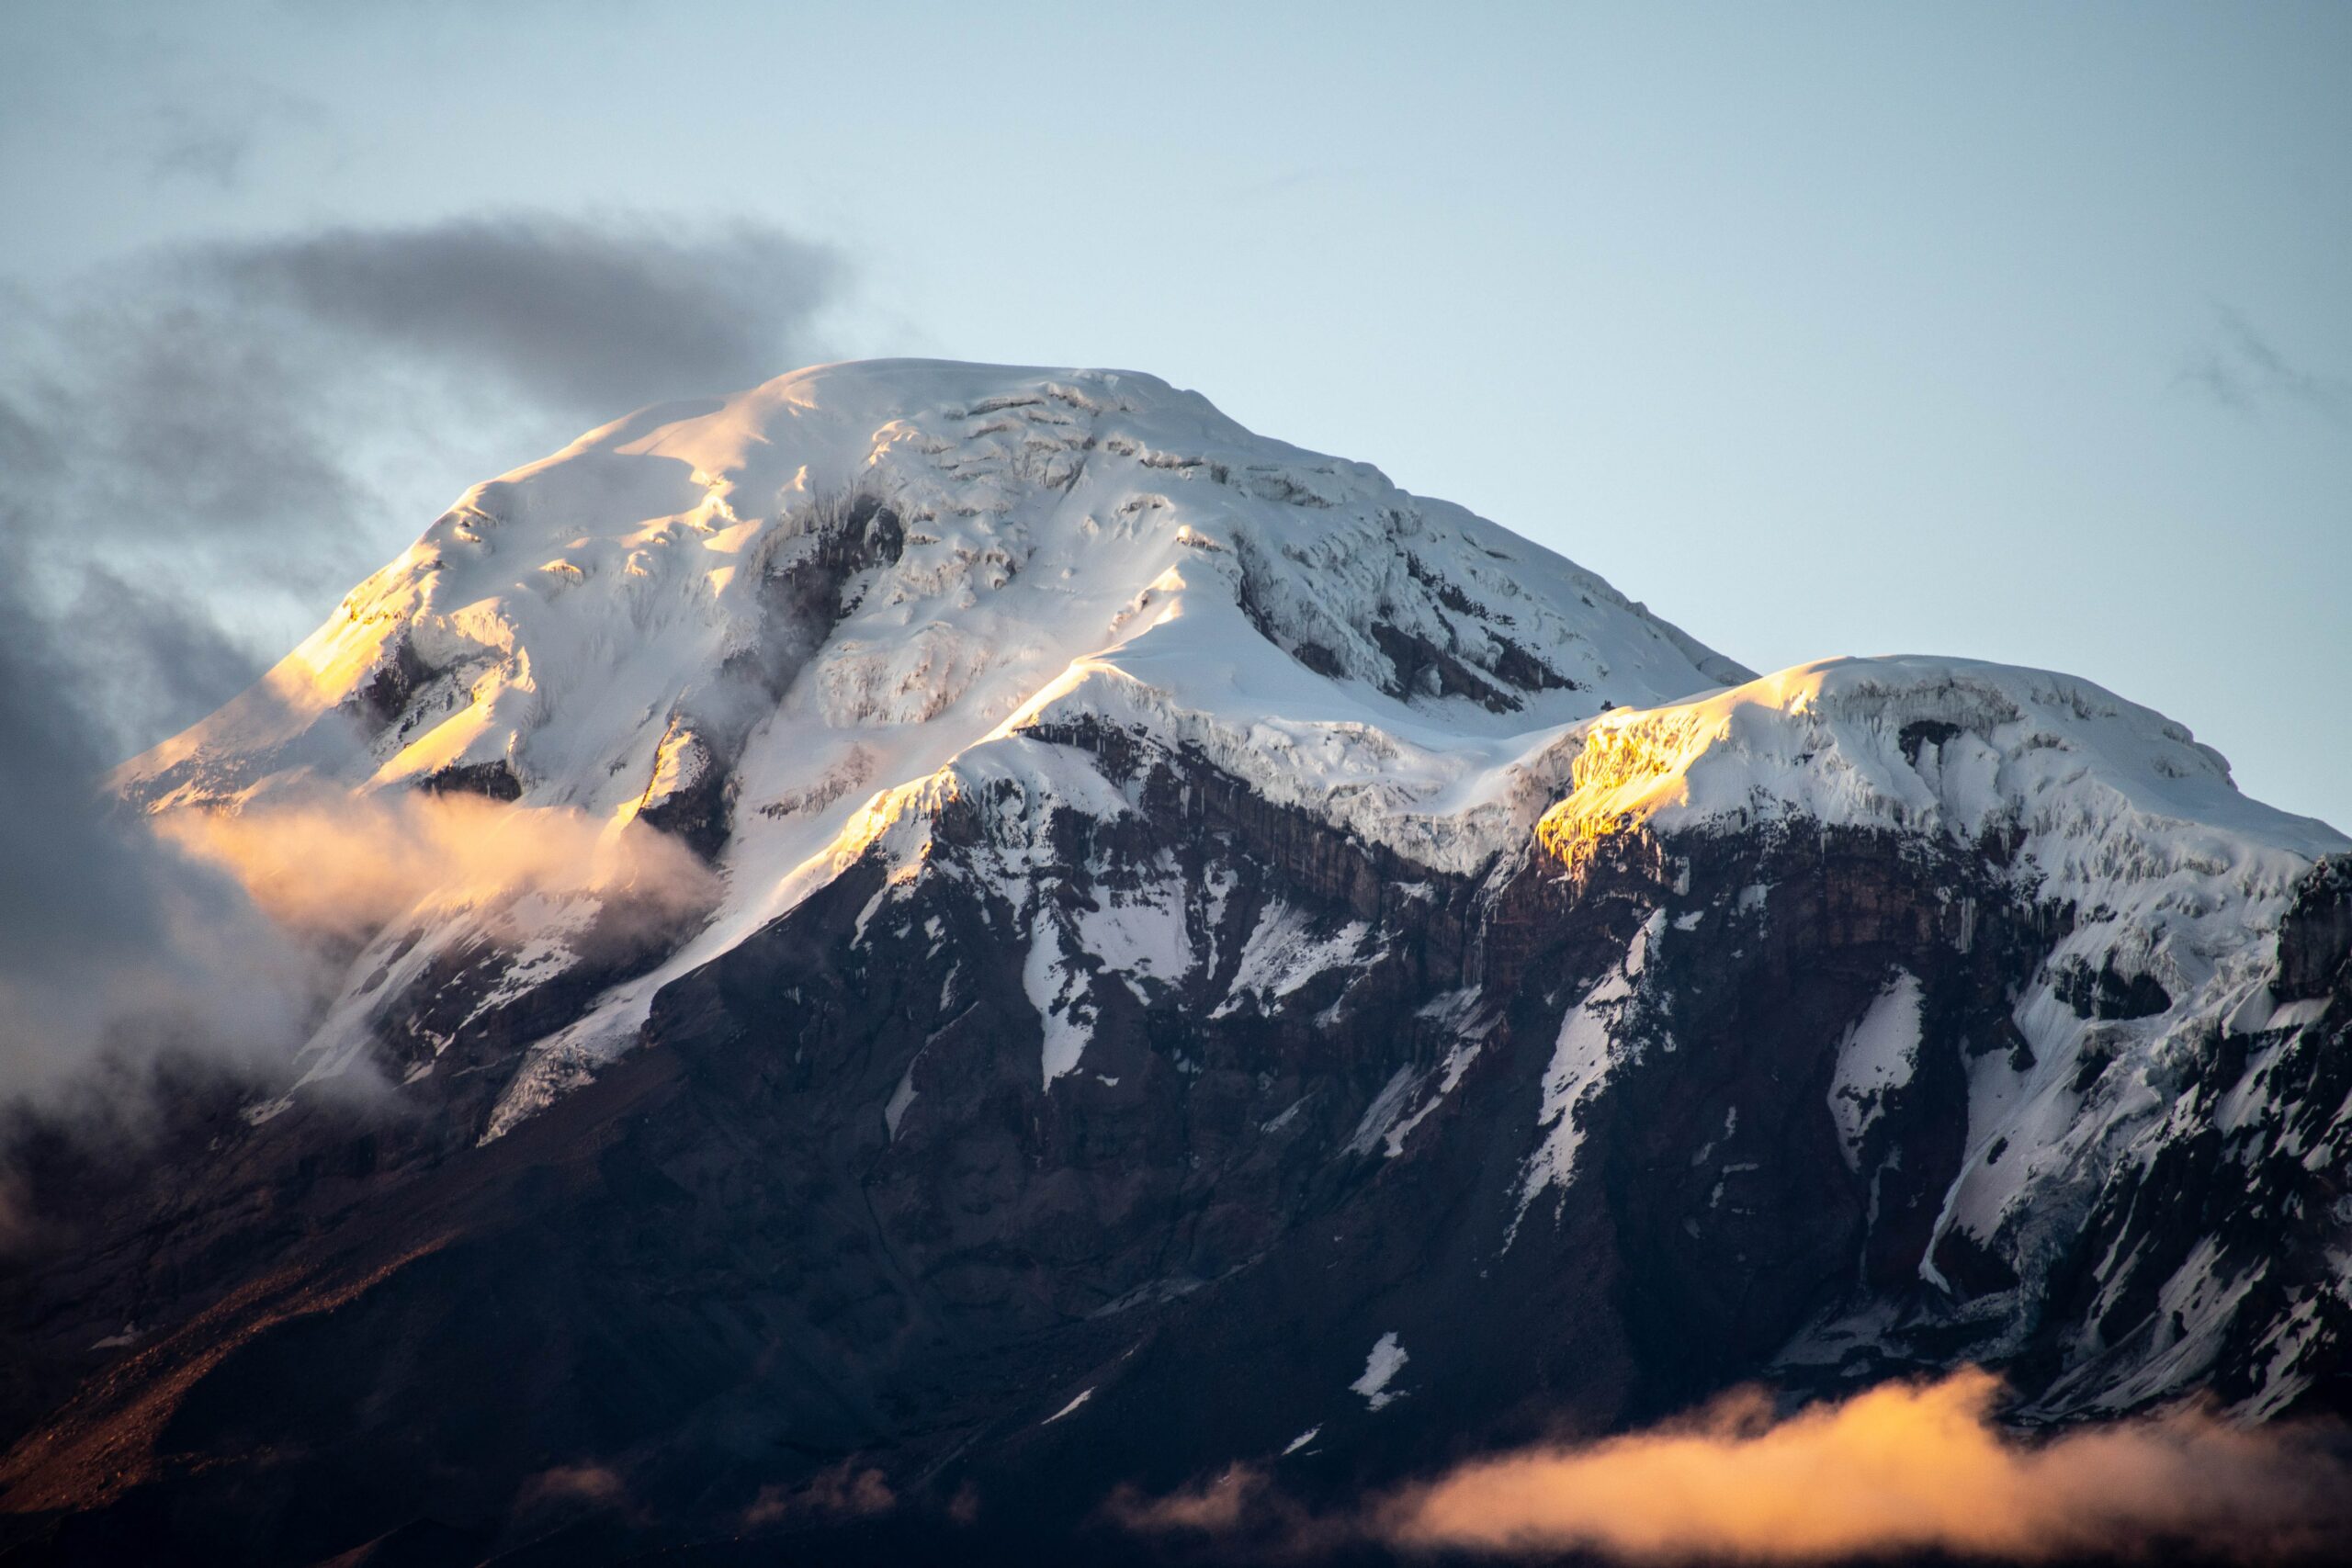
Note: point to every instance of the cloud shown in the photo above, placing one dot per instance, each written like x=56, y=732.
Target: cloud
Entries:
x=343, y=866
x=200, y=448
x=213, y=935
x=207, y=148
x=2241, y=370
x=1218, y=1506
x=114, y=949
x=212, y=137
x=839, y=1492
x=594, y=319
x=1903, y=1468
x=571, y=1486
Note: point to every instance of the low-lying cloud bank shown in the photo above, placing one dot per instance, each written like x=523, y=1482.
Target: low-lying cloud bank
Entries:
x=1904, y=1468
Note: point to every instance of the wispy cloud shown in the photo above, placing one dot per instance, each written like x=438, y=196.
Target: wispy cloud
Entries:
x=2241, y=369
x=212, y=138
x=844, y=1491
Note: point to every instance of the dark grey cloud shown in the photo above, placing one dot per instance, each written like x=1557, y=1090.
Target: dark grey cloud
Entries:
x=151, y=427
x=2243, y=370
x=116, y=954
x=200, y=449
x=593, y=319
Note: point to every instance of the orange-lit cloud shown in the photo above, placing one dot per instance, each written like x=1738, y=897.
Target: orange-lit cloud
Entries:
x=840, y=1492
x=237, y=925
x=344, y=865
x=592, y=1485
x=1904, y=1468
x=1215, y=1506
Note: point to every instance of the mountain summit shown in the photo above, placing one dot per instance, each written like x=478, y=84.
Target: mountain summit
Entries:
x=769, y=624
x=1008, y=938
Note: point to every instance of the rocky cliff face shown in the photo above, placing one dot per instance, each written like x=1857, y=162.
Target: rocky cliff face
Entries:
x=1289, y=989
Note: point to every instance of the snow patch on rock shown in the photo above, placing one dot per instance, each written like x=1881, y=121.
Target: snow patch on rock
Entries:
x=1877, y=1057
x=1591, y=1042
x=1285, y=950
x=1380, y=1369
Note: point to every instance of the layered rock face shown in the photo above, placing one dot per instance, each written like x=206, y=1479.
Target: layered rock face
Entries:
x=1202, y=958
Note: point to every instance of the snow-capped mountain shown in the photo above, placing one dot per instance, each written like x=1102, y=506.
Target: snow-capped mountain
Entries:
x=1117, y=942
x=774, y=623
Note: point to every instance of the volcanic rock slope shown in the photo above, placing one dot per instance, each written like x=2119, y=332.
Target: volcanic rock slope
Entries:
x=1192, y=955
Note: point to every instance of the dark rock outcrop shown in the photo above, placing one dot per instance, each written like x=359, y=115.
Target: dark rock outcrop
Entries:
x=2315, y=935
x=493, y=780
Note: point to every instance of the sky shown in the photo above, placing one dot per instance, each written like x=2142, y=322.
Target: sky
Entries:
x=2019, y=333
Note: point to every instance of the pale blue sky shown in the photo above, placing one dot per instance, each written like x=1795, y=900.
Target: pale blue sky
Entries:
x=2022, y=332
